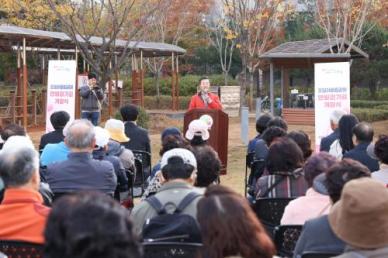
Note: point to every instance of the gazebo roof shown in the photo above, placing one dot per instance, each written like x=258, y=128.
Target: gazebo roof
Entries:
x=314, y=48
x=12, y=35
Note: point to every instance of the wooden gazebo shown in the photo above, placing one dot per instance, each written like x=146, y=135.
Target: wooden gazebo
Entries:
x=21, y=40
x=303, y=54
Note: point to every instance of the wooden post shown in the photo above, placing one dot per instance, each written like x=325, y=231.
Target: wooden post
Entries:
x=271, y=87
x=43, y=104
x=173, y=82
x=34, y=102
x=25, y=118
x=12, y=107
x=119, y=92
x=19, y=83
x=77, y=96
x=141, y=80
x=177, y=82
x=110, y=93
x=59, y=54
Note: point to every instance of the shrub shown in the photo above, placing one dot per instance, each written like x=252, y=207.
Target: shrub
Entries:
x=187, y=84
x=370, y=115
x=368, y=104
x=165, y=102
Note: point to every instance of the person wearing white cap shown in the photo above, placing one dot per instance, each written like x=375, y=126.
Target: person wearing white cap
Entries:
x=197, y=132
x=179, y=169
x=100, y=153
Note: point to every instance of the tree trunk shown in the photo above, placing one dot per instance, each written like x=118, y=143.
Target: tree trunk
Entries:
x=251, y=86
x=243, y=82
x=157, y=85
x=225, y=78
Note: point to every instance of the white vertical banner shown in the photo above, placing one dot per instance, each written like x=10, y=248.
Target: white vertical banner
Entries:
x=332, y=92
x=61, y=85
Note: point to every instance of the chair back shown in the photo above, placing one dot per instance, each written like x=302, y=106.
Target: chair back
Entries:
x=270, y=211
x=316, y=254
x=21, y=249
x=286, y=237
x=171, y=250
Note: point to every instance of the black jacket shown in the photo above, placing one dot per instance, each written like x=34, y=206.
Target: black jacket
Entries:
x=52, y=137
x=139, y=139
x=359, y=153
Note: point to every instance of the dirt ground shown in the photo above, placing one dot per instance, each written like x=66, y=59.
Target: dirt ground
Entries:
x=237, y=150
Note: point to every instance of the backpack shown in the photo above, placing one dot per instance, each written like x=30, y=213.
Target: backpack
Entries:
x=175, y=227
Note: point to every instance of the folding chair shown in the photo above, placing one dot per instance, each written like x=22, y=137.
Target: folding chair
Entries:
x=171, y=250
x=270, y=211
x=248, y=160
x=286, y=237
x=21, y=249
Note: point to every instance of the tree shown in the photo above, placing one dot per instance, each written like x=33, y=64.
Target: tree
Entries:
x=346, y=21
x=108, y=19
x=173, y=21
x=35, y=14
x=222, y=38
x=256, y=24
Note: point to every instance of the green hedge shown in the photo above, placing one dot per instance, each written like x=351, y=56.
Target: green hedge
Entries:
x=165, y=102
x=370, y=115
x=364, y=94
x=187, y=84
x=374, y=104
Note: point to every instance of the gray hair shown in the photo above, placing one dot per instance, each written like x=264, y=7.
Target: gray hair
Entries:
x=79, y=134
x=18, y=167
x=336, y=115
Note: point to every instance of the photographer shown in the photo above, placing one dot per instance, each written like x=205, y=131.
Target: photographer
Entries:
x=92, y=96
x=204, y=98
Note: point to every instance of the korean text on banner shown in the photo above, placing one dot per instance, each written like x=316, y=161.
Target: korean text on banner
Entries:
x=61, y=85
x=332, y=92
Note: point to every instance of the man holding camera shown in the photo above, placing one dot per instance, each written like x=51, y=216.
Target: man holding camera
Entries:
x=204, y=98
x=92, y=96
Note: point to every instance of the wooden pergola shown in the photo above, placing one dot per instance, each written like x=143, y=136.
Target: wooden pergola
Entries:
x=303, y=55
x=22, y=40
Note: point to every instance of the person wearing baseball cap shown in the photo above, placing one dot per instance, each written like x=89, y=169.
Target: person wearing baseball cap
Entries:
x=179, y=170
x=360, y=219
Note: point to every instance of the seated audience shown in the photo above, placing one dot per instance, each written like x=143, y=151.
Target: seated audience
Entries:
x=10, y=130
x=261, y=125
x=170, y=141
x=381, y=152
x=139, y=139
x=89, y=225
x=179, y=170
x=279, y=122
x=364, y=136
x=360, y=219
x=22, y=213
x=317, y=234
x=80, y=171
x=197, y=133
x=208, y=166
x=116, y=131
x=58, y=120
x=285, y=178
x=55, y=152
x=303, y=141
x=326, y=142
x=344, y=143
x=229, y=226
x=269, y=135
x=100, y=153
x=316, y=202
x=171, y=137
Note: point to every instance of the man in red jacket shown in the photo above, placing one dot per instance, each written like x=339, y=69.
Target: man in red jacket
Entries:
x=204, y=98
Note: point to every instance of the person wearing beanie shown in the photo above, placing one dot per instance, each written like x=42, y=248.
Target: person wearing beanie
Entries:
x=92, y=96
